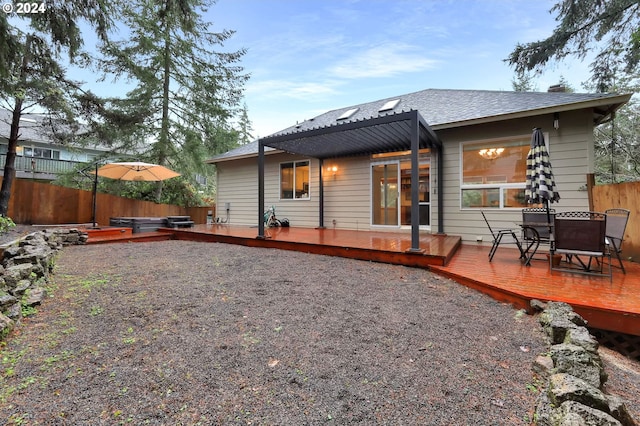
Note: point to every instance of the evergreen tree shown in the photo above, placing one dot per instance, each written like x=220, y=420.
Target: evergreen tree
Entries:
x=617, y=142
x=31, y=74
x=611, y=28
x=185, y=91
x=523, y=82
x=244, y=136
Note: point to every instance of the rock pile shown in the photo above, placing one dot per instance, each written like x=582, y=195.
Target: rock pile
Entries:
x=574, y=374
x=25, y=269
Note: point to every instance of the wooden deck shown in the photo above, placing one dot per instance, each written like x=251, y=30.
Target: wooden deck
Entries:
x=387, y=247
x=606, y=305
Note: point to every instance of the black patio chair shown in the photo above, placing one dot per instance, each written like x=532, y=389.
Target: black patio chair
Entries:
x=537, y=225
x=540, y=220
x=497, y=235
x=616, y=225
x=580, y=236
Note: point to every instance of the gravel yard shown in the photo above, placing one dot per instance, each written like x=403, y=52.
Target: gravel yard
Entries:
x=187, y=333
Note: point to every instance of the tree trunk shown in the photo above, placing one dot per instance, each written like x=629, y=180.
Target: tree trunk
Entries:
x=164, y=126
x=14, y=134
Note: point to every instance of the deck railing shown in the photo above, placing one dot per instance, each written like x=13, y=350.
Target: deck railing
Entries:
x=40, y=165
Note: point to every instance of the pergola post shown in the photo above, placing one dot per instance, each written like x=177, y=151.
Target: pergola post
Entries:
x=440, y=192
x=415, y=182
x=321, y=198
x=260, y=190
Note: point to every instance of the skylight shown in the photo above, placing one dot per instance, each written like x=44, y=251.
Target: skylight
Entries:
x=389, y=105
x=348, y=113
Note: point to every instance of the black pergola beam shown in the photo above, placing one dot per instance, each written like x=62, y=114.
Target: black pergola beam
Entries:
x=405, y=130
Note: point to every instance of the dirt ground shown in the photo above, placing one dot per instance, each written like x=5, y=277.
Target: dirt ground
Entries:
x=186, y=333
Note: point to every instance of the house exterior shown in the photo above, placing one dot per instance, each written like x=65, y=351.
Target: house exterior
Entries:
x=427, y=161
x=38, y=157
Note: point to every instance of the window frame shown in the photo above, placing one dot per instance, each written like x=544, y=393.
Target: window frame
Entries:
x=501, y=187
x=296, y=164
x=30, y=152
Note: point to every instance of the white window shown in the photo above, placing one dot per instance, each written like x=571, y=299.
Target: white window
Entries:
x=493, y=173
x=41, y=153
x=294, y=180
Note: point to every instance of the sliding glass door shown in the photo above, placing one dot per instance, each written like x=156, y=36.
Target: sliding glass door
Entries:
x=385, y=191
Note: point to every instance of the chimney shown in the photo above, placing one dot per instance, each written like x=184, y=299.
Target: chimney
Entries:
x=557, y=88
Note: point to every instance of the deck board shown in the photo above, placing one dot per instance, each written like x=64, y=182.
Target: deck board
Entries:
x=608, y=305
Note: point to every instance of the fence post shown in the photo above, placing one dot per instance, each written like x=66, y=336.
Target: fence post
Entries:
x=591, y=182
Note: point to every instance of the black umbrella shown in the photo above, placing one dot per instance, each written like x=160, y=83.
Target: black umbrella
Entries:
x=541, y=185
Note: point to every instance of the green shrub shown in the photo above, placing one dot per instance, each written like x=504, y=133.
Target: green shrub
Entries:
x=5, y=224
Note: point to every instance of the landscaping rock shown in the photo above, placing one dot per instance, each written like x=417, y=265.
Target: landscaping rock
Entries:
x=557, y=319
x=578, y=362
x=565, y=387
x=14, y=274
x=574, y=374
x=6, y=300
x=543, y=366
x=580, y=336
x=25, y=263
x=6, y=325
x=35, y=296
x=20, y=288
x=14, y=311
x=574, y=413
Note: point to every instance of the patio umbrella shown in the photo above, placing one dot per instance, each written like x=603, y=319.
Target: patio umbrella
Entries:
x=540, y=183
x=136, y=171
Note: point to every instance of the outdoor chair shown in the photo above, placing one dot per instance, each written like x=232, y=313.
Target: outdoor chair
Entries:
x=616, y=225
x=497, y=235
x=536, y=220
x=580, y=236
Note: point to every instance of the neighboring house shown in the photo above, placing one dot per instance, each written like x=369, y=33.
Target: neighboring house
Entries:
x=38, y=157
x=459, y=150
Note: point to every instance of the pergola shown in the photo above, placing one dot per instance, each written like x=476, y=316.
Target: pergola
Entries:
x=401, y=131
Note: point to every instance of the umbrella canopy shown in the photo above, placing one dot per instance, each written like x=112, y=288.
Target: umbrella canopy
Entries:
x=541, y=185
x=136, y=171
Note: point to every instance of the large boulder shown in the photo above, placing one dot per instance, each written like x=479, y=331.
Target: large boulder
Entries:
x=16, y=273
x=577, y=361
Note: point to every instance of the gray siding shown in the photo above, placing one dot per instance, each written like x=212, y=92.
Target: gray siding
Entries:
x=571, y=147
x=347, y=194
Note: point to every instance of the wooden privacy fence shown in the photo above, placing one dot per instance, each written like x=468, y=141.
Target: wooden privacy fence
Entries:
x=40, y=203
x=626, y=196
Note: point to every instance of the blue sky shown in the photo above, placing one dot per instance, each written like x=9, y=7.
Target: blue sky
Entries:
x=306, y=57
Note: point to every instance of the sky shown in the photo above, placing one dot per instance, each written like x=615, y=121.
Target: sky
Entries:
x=306, y=57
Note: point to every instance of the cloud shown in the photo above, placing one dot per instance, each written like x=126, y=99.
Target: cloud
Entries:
x=290, y=89
x=386, y=60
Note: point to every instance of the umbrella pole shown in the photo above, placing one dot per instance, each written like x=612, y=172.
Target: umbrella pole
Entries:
x=551, y=238
x=95, y=198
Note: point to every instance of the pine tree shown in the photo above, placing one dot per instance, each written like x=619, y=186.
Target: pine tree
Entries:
x=187, y=90
x=31, y=71
x=244, y=123
x=610, y=28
